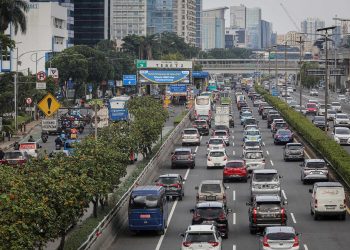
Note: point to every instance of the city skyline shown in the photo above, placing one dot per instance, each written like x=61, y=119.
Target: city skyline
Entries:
x=298, y=9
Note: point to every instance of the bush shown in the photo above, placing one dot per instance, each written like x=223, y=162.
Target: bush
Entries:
x=333, y=152
x=180, y=117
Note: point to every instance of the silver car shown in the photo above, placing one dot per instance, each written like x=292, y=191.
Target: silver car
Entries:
x=293, y=151
x=314, y=170
x=254, y=160
x=265, y=181
x=280, y=237
x=191, y=136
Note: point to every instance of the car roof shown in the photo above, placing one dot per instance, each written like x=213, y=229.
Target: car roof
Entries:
x=294, y=144
x=142, y=190
x=220, y=130
x=190, y=129
x=266, y=198
x=278, y=229
x=211, y=182
x=265, y=171
x=328, y=184
x=169, y=175
x=231, y=161
x=200, y=228
x=254, y=151
x=314, y=160
x=210, y=204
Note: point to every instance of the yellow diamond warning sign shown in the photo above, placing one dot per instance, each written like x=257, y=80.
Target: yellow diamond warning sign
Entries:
x=49, y=105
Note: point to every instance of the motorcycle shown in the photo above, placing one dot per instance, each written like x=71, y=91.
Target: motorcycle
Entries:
x=44, y=137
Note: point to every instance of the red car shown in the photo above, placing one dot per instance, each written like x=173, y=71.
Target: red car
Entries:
x=311, y=108
x=235, y=169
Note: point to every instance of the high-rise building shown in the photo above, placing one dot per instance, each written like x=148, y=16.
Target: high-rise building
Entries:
x=213, y=28
x=292, y=37
x=253, y=28
x=91, y=21
x=234, y=38
x=160, y=16
x=199, y=9
x=309, y=26
x=266, y=33
x=238, y=17
x=185, y=20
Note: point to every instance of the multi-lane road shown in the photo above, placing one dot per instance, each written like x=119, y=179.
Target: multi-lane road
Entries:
x=315, y=235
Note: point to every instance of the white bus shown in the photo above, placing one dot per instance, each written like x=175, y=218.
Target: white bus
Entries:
x=202, y=105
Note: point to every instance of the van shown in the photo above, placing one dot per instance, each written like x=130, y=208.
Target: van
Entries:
x=328, y=198
x=31, y=148
x=148, y=209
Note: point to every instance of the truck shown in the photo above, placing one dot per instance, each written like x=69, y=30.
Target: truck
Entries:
x=222, y=116
x=51, y=126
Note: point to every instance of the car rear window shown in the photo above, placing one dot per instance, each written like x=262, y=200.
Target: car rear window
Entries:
x=252, y=132
x=220, y=133
x=342, y=116
x=284, y=132
x=236, y=164
x=215, y=141
x=268, y=206
x=200, y=122
x=168, y=180
x=311, y=105
x=316, y=165
x=254, y=155
x=203, y=117
x=182, y=152
x=200, y=237
x=190, y=132
x=210, y=212
x=215, y=188
x=12, y=155
x=265, y=177
x=251, y=143
x=217, y=154
x=280, y=236
x=144, y=202
x=294, y=147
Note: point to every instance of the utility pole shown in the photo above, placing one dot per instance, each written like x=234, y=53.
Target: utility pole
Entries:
x=276, y=69
x=301, y=42
x=327, y=73
x=285, y=68
x=269, y=50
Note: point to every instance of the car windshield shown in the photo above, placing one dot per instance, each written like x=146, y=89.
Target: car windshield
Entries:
x=254, y=155
x=211, y=188
x=280, y=236
x=342, y=131
x=319, y=118
x=251, y=143
x=268, y=207
x=144, y=202
x=200, y=237
x=265, y=177
x=234, y=164
x=220, y=133
x=167, y=180
x=335, y=104
x=202, y=101
x=311, y=105
x=246, y=114
x=284, y=132
x=200, y=122
x=12, y=155
x=252, y=132
x=209, y=212
x=217, y=154
x=294, y=147
x=342, y=116
x=182, y=152
x=190, y=132
x=215, y=141
x=316, y=165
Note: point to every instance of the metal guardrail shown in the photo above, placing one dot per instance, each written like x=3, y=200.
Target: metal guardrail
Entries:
x=112, y=214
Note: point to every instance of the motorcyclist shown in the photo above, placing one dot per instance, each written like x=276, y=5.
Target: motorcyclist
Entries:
x=58, y=141
x=31, y=139
x=16, y=145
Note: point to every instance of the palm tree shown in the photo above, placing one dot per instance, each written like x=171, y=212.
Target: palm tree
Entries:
x=13, y=12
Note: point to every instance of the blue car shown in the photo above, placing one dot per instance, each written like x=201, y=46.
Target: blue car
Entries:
x=252, y=135
x=245, y=115
x=283, y=136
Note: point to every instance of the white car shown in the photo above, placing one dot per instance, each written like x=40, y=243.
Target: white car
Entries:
x=217, y=158
x=215, y=143
x=254, y=160
x=336, y=106
x=341, y=98
x=201, y=237
x=341, y=135
x=331, y=114
x=280, y=237
x=222, y=134
x=322, y=109
x=342, y=120
x=251, y=146
x=191, y=136
x=313, y=92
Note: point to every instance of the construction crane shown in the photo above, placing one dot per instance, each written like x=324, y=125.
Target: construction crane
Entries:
x=290, y=17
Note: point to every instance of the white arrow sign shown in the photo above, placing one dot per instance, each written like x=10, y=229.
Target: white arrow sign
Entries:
x=53, y=72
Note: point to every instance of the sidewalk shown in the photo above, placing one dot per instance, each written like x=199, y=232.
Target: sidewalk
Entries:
x=168, y=126
x=6, y=145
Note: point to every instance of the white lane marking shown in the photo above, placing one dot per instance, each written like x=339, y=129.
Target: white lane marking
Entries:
x=271, y=162
x=267, y=152
x=196, y=149
x=305, y=247
x=234, y=247
x=200, y=139
x=234, y=218
x=284, y=195
x=168, y=223
x=234, y=195
x=293, y=218
x=187, y=172
x=263, y=143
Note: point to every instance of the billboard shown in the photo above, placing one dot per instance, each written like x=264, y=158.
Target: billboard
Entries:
x=159, y=64
x=164, y=77
x=178, y=88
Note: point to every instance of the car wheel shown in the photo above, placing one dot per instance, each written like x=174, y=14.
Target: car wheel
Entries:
x=192, y=166
x=252, y=230
x=180, y=197
x=343, y=216
x=311, y=212
x=245, y=179
x=274, y=142
x=315, y=216
x=161, y=232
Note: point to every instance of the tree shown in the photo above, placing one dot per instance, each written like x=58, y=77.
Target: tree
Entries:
x=13, y=12
x=306, y=80
x=234, y=53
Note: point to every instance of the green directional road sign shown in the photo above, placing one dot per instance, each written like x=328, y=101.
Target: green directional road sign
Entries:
x=141, y=64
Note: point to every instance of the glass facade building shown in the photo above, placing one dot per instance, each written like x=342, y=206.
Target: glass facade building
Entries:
x=160, y=16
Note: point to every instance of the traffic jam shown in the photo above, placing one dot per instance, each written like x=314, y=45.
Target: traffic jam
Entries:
x=238, y=173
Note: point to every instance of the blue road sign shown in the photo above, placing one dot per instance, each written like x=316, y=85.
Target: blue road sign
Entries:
x=111, y=83
x=129, y=80
x=180, y=88
x=90, y=88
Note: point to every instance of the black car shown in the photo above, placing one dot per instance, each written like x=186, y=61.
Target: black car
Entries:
x=212, y=212
x=319, y=122
x=232, y=122
x=202, y=126
x=265, y=211
x=265, y=111
x=183, y=157
x=271, y=116
x=173, y=184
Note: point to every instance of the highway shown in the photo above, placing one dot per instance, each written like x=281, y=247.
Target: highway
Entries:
x=325, y=234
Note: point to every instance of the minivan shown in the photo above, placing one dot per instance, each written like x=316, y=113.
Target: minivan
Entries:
x=265, y=181
x=328, y=198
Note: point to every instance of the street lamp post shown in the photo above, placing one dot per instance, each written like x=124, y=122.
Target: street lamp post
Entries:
x=285, y=68
x=276, y=69
x=269, y=50
x=300, y=66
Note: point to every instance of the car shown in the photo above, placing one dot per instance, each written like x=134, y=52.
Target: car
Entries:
x=261, y=107
x=216, y=158
x=191, y=136
x=199, y=237
x=265, y=112
x=328, y=198
x=265, y=211
x=206, y=118
x=292, y=103
x=223, y=134
x=271, y=116
x=211, y=190
x=336, y=106
x=341, y=98
x=251, y=146
x=212, y=212
x=257, y=102
x=277, y=126
x=245, y=115
x=241, y=104
x=283, y=136
x=252, y=135
x=245, y=109
x=265, y=181
x=254, y=159
x=331, y=114
x=322, y=109
x=341, y=119
x=311, y=108
x=293, y=151
x=273, y=124
x=202, y=126
x=313, y=92
x=280, y=237
x=250, y=121
x=235, y=169
x=289, y=99
x=220, y=127
x=231, y=121
x=320, y=122
x=314, y=101
x=215, y=143
x=341, y=135
x=251, y=126
x=15, y=157
x=314, y=170
x=183, y=157
x=173, y=184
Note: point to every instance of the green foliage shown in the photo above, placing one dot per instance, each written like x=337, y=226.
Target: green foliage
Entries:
x=332, y=151
x=309, y=81
x=6, y=43
x=13, y=12
x=235, y=53
x=180, y=117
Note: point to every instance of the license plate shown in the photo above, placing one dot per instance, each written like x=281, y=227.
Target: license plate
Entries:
x=216, y=164
x=285, y=139
x=330, y=207
x=315, y=172
x=145, y=216
x=210, y=198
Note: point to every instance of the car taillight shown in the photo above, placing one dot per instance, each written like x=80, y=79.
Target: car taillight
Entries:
x=213, y=243
x=225, y=158
x=254, y=215
x=315, y=203
x=222, y=216
x=190, y=157
x=160, y=184
x=196, y=216
x=186, y=244
x=283, y=214
x=209, y=159
x=296, y=241
x=177, y=185
x=265, y=243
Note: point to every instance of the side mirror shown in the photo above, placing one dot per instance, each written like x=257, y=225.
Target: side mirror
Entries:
x=248, y=203
x=196, y=187
x=227, y=187
x=182, y=235
x=192, y=210
x=281, y=176
x=310, y=190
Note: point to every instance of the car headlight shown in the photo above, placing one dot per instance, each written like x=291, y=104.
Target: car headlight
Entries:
x=336, y=139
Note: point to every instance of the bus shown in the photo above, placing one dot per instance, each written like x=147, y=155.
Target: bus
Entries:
x=225, y=98
x=202, y=105
x=117, y=110
x=148, y=209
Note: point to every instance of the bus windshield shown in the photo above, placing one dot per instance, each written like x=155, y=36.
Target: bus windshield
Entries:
x=144, y=202
x=117, y=104
x=202, y=101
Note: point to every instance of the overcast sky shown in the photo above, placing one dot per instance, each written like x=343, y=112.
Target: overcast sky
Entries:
x=298, y=9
